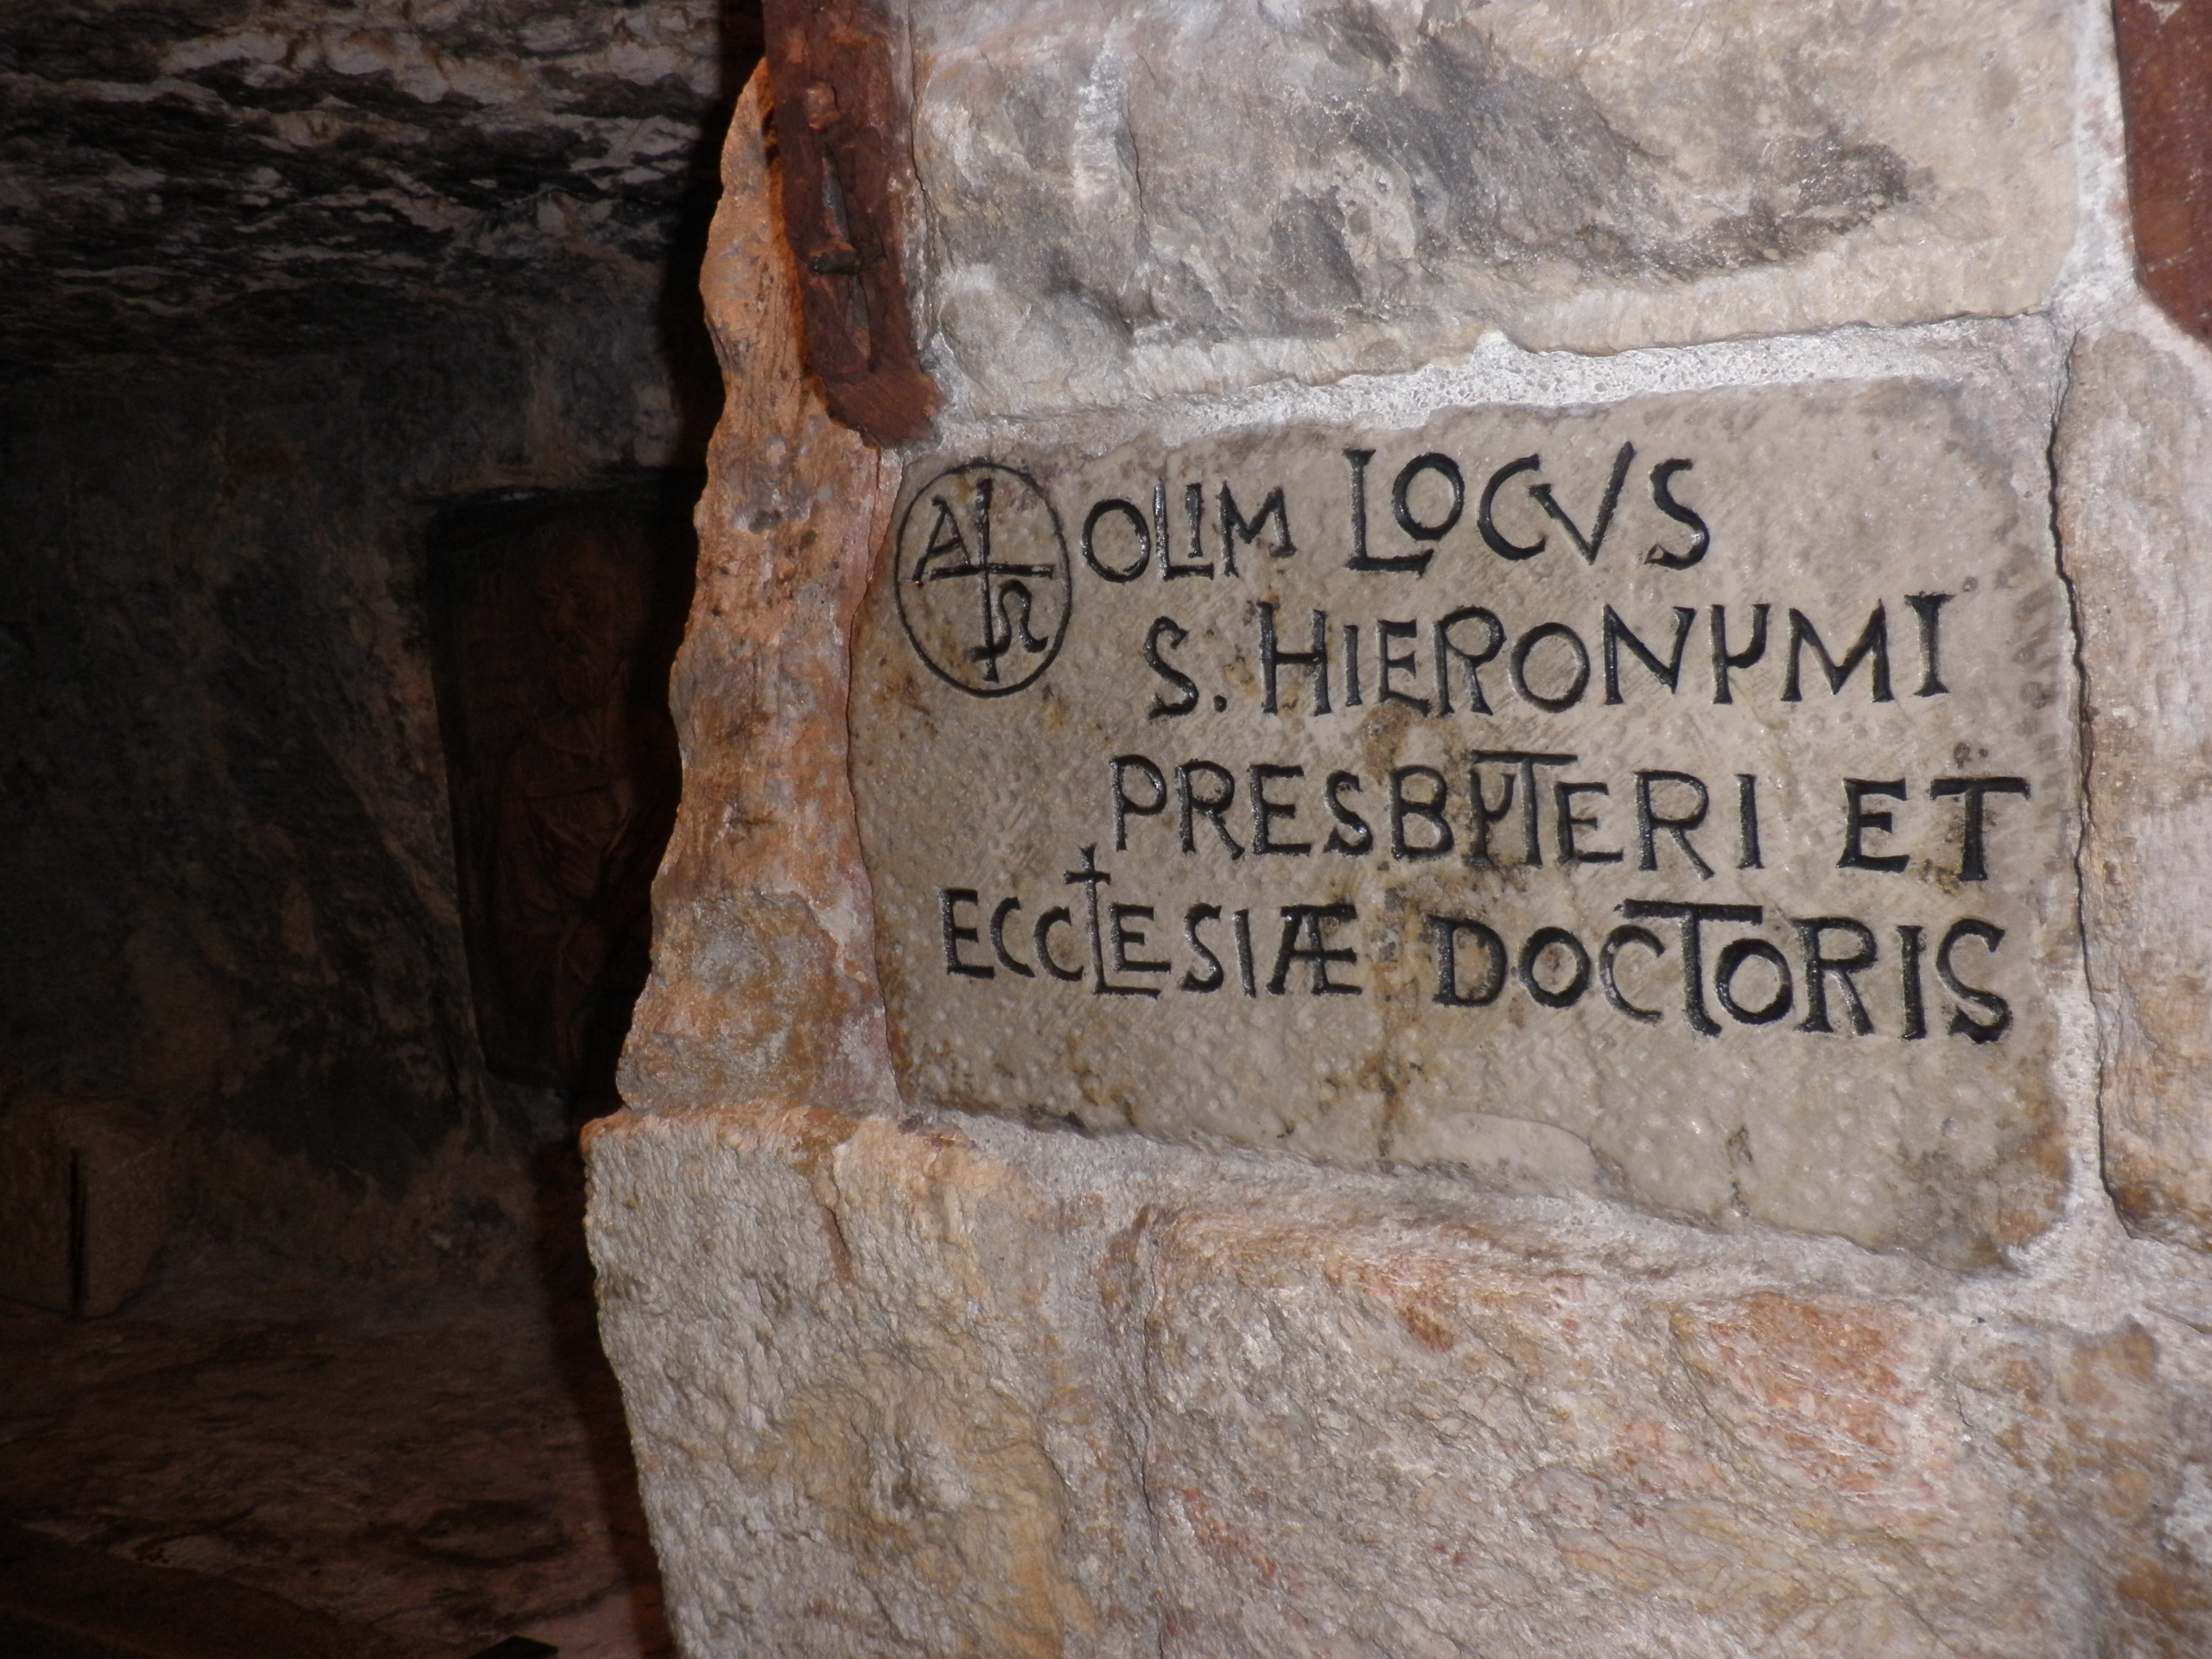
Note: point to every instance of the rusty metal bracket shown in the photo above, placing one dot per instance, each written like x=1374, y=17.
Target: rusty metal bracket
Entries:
x=2165, y=72
x=839, y=132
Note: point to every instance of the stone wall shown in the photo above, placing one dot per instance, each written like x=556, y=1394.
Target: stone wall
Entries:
x=953, y=1318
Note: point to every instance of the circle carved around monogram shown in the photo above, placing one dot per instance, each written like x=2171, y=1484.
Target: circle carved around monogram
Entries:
x=982, y=580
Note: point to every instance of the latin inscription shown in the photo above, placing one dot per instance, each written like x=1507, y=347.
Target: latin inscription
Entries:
x=1688, y=779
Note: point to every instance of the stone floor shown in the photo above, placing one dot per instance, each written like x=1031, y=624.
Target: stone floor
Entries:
x=446, y=1465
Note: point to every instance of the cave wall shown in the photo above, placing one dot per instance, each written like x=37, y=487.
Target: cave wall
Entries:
x=278, y=280
x=227, y=886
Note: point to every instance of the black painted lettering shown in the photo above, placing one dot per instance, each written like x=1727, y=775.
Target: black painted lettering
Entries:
x=1266, y=814
x=1427, y=530
x=1692, y=919
x=1859, y=818
x=1057, y=916
x=1216, y=976
x=1236, y=527
x=1447, y=649
x=1565, y=824
x=1819, y=966
x=1387, y=634
x=1484, y=815
x=1668, y=673
x=1973, y=863
x=1447, y=931
x=1274, y=658
x=1589, y=545
x=1128, y=936
x=1361, y=558
x=1121, y=769
x=2000, y=1012
x=1090, y=878
x=1747, y=822
x=1358, y=459
x=1361, y=838
x=1609, y=968
x=1525, y=647
x=1429, y=810
x=1165, y=627
x=949, y=902
x=1662, y=497
x=1128, y=570
x=1305, y=939
x=1486, y=515
x=1012, y=963
x=1733, y=956
x=1539, y=943
x=1211, y=802
x=1872, y=648
x=1194, y=516
x=1240, y=928
x=1916, y=1006
x=1650, y=821
x=1726, y=662
x=1928, y=608
x=945, y=540
x=1351, y=665
x=1523, y=782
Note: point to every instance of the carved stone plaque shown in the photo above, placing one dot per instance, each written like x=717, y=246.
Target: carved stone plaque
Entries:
x=1673, y=800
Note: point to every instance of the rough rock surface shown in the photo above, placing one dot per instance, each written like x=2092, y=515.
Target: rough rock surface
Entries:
x=260, y=175
x=2130, y=478
x=903, y=1388
x=761, y=894
x=1151, y=195
x=914, y=1382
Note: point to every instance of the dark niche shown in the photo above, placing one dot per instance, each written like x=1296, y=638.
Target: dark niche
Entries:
x=555, y=616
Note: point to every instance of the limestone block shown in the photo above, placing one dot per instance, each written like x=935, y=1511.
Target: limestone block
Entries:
x=859, y=1427
x=901, y=1388
x=2135, y=523
x=1368, y=1437
x=1305, y=789
x=1150, y=195
x=84, y=1203
x=1134, y=1365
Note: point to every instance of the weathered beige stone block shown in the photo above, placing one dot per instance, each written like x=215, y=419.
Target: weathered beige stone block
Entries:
x=1375, y=1438
x=1150, y=195
x=2135, y=522
x=859, y=1429
x=900, y=1388
x=1339, y=825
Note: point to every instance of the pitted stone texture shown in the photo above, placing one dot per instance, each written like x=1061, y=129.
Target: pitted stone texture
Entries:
x=2135, y=523
x=1184, y=997
x=897, y=1391
x=1148, y=195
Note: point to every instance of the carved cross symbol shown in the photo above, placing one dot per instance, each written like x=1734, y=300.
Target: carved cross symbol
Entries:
x=1000, y=589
